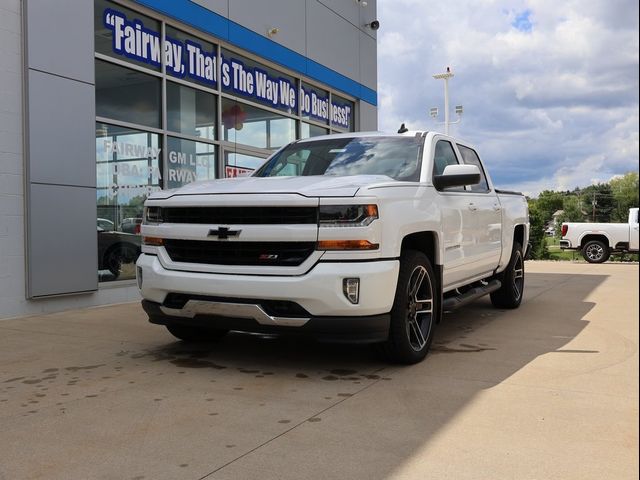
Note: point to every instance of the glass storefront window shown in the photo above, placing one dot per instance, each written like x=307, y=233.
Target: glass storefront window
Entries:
x=137, y=85
x=127, y=95
x=191, y=111
x=109, y=18
x=246, y=78
x=308, y=130
x=314, y=103
x=197, y=62
x=342, y=112
x=240, y=164
x=255, y=127
x=188, y=161
x=128, y=170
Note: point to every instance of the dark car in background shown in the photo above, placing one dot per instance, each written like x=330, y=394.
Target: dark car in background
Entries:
x=131, y=225
x=116, y=250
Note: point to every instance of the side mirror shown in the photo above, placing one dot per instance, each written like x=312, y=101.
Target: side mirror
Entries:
x=457, y=176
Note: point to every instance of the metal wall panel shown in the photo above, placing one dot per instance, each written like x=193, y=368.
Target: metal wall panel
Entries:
x=347, y=10
x=61, y=130
x=332, y=41
x=368, y=62
x=60, y=37
x=367, y=15
x=286, y=15
x=221, y=7
x=63, y=253
x=60, y=147
x=368, y=117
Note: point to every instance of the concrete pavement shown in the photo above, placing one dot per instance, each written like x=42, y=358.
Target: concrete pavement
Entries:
x=546, y=391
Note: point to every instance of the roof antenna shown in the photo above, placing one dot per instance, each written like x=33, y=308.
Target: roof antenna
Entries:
x=403, y=129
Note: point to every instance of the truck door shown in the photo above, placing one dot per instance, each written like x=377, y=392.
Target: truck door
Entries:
x=457, y=221
x=633, y=229
x=487, y=218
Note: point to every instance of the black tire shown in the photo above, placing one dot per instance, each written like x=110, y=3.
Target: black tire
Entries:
x=117, y=255
x=193, y=334
x=509, y=295
x=415, y=307
x=596, y=251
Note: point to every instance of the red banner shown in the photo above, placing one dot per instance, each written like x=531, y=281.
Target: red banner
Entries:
x=232, y=172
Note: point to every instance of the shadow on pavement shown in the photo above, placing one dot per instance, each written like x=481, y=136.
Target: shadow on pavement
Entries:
x=478, y=343
x=367, y=418
x=293, y=352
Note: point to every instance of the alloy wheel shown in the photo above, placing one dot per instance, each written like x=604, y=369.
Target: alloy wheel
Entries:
x=419, y=308
x=595, y=252
x=518, y=276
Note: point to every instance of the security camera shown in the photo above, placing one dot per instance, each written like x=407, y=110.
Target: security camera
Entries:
x=375, y=25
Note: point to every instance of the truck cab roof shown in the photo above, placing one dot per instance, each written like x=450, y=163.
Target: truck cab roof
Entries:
x=363, y=134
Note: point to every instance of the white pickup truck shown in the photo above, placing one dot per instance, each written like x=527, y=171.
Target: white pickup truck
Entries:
x=598, y=241
x=362, y=237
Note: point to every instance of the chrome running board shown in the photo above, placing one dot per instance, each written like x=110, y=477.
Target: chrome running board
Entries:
x=453, y=303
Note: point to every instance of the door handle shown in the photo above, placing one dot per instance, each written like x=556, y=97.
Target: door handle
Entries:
x=472, y=207
x=497, y=208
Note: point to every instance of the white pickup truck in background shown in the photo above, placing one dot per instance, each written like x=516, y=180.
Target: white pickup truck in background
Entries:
x=361, y=237
x=597, y=241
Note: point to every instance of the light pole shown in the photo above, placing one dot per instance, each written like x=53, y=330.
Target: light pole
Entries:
x=446, y=76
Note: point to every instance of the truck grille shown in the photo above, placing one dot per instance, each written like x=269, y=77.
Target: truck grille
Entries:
x=241, y=215
x=285, y=254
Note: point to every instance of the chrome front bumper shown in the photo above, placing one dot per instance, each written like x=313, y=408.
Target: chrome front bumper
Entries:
x=232, y=310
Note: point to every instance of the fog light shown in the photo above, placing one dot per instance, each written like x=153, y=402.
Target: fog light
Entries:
x=139, y=277
x=351, y=289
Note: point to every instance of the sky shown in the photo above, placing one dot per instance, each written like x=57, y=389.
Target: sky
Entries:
x=549, y=88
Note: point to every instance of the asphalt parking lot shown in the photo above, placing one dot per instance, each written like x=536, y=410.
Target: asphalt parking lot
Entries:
x=546, y=391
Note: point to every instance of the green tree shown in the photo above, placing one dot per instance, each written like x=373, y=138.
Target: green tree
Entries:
x=571, y=210
x=547, y=203
x=625, y=196
x=539, y=250
x=598, y=202
x=134, y=208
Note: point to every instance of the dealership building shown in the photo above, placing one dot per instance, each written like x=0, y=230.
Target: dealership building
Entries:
x=103, y=102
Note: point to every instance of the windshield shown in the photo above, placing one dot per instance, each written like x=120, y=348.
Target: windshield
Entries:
x=396, y=157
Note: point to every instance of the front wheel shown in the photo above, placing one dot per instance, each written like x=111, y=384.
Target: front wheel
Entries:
x=415, y=306
x=509, y=295
x=596, y=251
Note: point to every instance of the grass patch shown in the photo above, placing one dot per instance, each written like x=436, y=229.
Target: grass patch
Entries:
x=565, y=255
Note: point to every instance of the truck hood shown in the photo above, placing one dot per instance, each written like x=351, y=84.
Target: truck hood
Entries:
x=311, y=186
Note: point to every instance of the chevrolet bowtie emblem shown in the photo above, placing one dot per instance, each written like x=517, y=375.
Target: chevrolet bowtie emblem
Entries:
x=223, y=233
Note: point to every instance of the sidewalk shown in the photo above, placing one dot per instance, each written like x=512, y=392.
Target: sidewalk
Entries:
x=546, y=391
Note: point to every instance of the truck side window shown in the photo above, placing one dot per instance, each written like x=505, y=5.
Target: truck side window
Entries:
x=470, y=157
x=444, y=155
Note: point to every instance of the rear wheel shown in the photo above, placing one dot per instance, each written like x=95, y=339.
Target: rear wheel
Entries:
x=193, y=334
x=414, y=310
x=509, y=295
x=595, y=251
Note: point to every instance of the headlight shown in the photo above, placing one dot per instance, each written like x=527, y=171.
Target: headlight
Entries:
x=153, y=215
x=347, y=215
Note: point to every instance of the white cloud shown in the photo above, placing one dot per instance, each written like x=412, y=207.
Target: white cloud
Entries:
x=542, y=104
x=587, y=172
